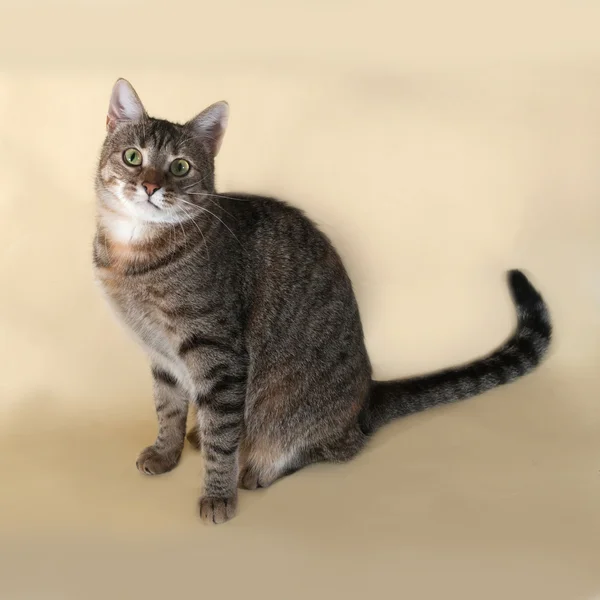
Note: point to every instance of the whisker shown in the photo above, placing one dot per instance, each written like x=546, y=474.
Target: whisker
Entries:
x=208, y=194
x=173, y=233
x=177, y=221
x=220, y=207
x=184, y=141
x=218, y=219
x=213, y=201
x=199, y=229
x=183, y=232
x=189, y=187
x=225, y=224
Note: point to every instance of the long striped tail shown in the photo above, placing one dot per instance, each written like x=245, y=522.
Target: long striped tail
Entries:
x=522, y=353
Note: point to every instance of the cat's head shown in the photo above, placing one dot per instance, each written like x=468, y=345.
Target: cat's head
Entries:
x=152, y=170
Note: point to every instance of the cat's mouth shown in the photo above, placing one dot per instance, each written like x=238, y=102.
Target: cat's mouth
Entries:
x=149, y=200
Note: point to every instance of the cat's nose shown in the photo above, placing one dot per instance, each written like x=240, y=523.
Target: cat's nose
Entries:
x=150, y=187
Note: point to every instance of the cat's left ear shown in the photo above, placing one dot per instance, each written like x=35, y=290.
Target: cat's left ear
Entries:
x=125, y=105
x=210, y=125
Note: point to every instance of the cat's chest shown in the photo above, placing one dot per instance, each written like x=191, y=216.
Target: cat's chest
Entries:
x=146, y=309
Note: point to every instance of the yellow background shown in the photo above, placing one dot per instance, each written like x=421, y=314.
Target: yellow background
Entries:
x=438, y=144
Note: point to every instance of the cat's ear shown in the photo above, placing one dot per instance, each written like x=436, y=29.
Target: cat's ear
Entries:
x=125, y=105
x=210, y=125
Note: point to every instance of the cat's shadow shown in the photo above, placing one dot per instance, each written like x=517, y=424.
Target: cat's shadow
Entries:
x=460, y=477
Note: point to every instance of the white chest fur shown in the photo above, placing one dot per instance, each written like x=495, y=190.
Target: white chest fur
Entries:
x=149, y=330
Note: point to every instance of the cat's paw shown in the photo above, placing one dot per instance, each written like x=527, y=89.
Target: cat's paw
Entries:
x=250, y=479
x=193, y=437
x=217, y=510
x=154, y=462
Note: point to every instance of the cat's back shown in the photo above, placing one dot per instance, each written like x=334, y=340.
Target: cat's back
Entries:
x=258, y=210
x=295, y=279
x=273, y=224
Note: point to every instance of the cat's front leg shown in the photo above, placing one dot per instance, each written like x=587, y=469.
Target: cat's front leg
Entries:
x=171, y=403
x=218, y=368
x=220, y=414
x=220, y=422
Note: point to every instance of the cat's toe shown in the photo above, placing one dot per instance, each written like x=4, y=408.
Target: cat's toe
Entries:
x=217, y=510
x=250, y=479
x=193, y=437
x=154, y=462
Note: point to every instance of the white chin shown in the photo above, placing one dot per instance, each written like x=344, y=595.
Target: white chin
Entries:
x=138, y=208
x=146, y=209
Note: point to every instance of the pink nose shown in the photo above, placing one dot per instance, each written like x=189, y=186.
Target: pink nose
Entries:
x=150, y=187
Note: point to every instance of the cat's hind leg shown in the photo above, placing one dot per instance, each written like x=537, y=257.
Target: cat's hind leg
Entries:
x=253, y=477
x=193, y=437
x=261, y=464
x=262, y=468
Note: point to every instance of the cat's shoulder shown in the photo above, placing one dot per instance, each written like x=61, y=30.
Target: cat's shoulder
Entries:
x=262, y=207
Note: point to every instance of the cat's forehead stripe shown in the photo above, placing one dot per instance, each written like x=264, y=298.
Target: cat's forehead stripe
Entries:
x=161, y=134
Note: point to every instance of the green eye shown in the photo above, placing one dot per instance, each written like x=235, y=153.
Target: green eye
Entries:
x=132, y=157
x=180, y=167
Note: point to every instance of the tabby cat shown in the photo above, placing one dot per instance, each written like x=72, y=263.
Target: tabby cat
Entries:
x=246, y=311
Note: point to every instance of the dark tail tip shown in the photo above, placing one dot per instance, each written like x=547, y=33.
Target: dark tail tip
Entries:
x=523, y=293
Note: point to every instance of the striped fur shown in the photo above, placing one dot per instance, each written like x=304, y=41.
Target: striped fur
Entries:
x=246, y=311
x=518, y=356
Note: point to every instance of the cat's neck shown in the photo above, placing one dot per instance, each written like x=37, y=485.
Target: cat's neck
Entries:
x=125, y=229
x=122, y=240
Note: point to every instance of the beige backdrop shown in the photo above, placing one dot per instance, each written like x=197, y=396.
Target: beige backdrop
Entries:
x=438, y=145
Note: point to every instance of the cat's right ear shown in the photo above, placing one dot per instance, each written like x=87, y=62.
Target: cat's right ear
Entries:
x=125, y=105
